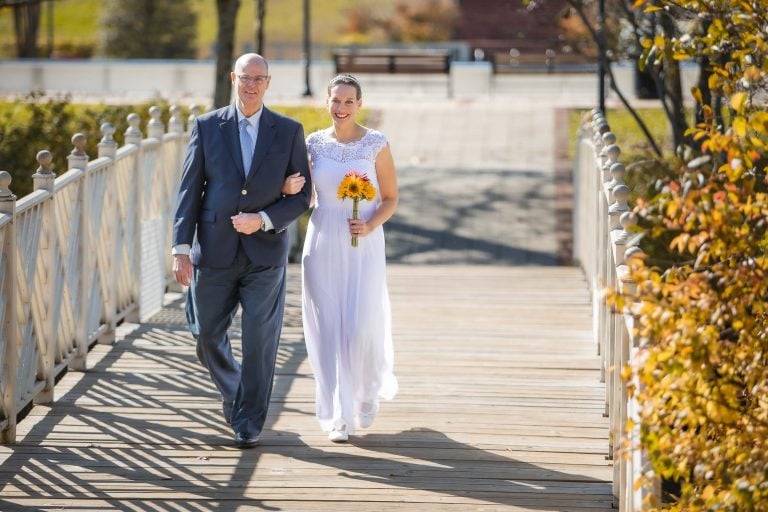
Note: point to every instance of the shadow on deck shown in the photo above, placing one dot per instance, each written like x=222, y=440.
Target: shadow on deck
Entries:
x=499, y=409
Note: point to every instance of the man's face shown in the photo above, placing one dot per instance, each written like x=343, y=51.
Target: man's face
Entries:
x=251, y=82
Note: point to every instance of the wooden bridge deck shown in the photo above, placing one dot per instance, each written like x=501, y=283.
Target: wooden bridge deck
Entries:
x=500, y=408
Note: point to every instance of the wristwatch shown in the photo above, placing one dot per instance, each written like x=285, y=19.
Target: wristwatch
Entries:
x=263, y=223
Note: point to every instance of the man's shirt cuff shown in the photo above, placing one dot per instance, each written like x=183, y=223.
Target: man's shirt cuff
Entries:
x=268, y=226
x=181, y=249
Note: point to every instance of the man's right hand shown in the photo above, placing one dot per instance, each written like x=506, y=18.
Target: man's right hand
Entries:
x=182, y=269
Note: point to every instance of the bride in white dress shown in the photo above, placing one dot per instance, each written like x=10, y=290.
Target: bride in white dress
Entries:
x=345, y=302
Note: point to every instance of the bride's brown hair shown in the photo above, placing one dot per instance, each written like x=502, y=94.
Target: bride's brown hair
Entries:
x=346, y=80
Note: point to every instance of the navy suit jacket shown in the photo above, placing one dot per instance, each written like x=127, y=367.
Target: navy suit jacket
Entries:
x=214, y=188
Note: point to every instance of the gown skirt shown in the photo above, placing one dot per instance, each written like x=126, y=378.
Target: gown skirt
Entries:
x=345, y=301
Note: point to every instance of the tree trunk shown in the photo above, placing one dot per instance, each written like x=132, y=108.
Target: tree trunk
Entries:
x=578, y=7
x=26, y=21
x=703, y=82
x=260, y=11
x=673, y=86
x=225, y=49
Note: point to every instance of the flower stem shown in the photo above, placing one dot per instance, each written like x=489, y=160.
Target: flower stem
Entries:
x=354, y=217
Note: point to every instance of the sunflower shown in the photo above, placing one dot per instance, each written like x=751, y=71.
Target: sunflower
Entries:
x=356, y=186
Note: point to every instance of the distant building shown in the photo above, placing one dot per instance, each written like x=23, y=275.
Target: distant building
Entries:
x=507, y=29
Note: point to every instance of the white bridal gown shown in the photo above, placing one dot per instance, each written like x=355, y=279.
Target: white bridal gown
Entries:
x=345, y=302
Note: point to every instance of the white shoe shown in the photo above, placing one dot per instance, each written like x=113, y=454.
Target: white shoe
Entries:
x=367, y=414
x=365, y=420
x=339, y=435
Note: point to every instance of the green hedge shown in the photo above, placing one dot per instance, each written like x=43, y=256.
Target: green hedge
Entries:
x=36, y=123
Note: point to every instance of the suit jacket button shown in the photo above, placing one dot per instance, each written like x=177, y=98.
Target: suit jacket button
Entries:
x=244, y=192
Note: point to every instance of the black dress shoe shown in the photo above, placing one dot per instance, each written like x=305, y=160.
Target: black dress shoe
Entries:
x=246, y=440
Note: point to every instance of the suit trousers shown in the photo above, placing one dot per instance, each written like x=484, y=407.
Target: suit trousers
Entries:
x=212, y=301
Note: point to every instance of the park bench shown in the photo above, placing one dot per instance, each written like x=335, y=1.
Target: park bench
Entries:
x=544, y=62
x=394, y=61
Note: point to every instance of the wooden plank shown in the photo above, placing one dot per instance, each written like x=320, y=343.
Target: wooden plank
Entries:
x=507, y=415
x=206, y=505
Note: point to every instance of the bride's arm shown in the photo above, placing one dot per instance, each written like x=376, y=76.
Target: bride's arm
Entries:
x=313, y=197
x=387, y=178
x=295, y=182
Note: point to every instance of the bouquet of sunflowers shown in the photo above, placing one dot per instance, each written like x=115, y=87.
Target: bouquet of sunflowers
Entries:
x=356, y=186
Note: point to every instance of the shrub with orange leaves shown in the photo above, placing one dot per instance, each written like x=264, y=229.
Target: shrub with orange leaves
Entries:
x=703, y=320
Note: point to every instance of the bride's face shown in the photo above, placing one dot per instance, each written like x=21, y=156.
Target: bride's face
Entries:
x=343, y=103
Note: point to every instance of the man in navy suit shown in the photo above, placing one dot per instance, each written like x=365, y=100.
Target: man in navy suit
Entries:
x=230, y=243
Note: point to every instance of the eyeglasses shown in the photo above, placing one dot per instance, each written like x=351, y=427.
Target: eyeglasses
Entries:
x=258, y=79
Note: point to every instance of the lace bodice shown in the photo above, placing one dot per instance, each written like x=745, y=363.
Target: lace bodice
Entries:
x=331, y=160
x=322, y=145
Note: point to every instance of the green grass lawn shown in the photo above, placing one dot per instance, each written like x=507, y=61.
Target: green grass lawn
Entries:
x=629, y=137
x=635, y=149
x=76, y=22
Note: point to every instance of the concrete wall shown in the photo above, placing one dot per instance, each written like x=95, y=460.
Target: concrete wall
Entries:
x=132, y=80
x=188, y=81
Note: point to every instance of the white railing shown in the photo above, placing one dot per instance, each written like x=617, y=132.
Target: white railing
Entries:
x=602, y=245
x=81, y=253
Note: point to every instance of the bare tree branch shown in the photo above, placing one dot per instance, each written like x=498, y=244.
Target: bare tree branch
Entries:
x=579, y=8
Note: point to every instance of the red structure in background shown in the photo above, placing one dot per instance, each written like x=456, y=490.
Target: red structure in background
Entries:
x=500, y=30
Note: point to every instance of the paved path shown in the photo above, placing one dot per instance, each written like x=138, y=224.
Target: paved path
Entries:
x=477, y=182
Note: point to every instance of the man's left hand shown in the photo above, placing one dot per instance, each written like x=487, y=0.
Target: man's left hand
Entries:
x=246, y=223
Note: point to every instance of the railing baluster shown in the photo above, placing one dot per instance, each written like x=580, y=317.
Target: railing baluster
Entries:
x=78, y=159
x=110, y=238
x=44, y=179
x=133, y=136
x=155, y=128
x=12, y=336
x=175, y=123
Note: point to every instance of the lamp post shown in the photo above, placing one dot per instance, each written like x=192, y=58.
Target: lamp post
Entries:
x=50, y=29
x=602, y=56
x=306, y=50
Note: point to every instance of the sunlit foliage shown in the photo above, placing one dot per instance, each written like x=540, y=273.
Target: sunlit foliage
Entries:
x=703, y=322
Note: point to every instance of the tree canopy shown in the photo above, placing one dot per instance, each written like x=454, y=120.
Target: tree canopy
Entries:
x=149, y=29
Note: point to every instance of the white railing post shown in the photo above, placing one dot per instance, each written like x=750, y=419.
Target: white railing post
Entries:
x=133, y=133
x=78, y=159
x=44, y=179
x=107, y=147
x=133, y=136
x=155, y=128
x=635, y=463
x=154, y=196
x=602, y=272
x=612, y=152
x=175, y=123
x=175, y=126
x=194, y=111
x=12, y=336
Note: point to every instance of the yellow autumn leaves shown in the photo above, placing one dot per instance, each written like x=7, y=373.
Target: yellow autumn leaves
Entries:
x=702, y=313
